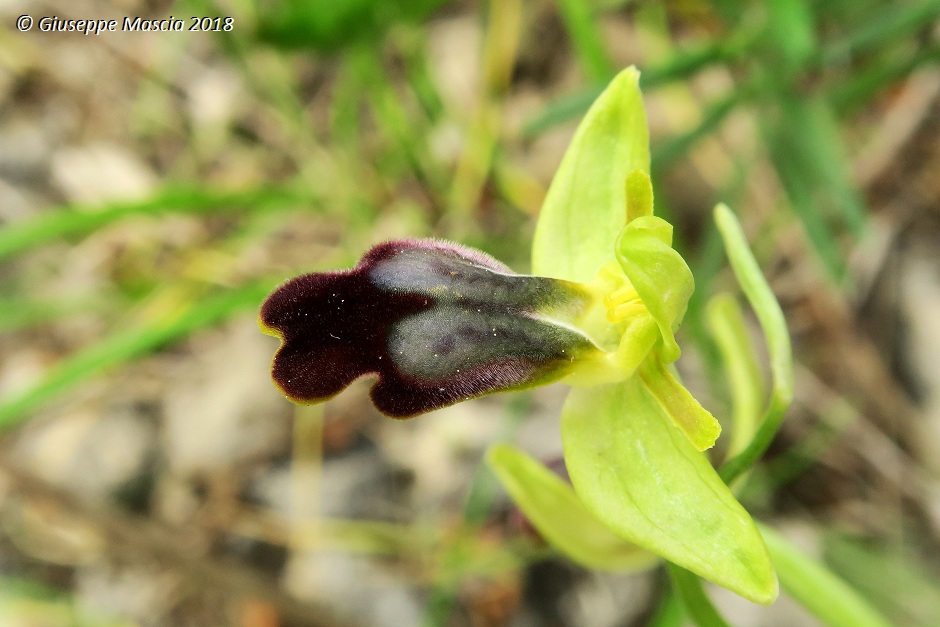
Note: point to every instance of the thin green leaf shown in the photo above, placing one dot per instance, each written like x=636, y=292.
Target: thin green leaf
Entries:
x=561, y=110
x=687, y=61
x=742, y=370
x=125, y=346
x=643, y=478
x=825, y=152
x=817, y=589
x=16, y=313
x=332, y=26
x=893, y=22
x=774, y=326
x=799, y=189
x=857, y=89
x=806, y=147
x=682, y=64
x=585, y=208
x=72, y=220
x=559, y=515
x=588, y=44
x=790, y=34
x=897, y=579
x=670, y=150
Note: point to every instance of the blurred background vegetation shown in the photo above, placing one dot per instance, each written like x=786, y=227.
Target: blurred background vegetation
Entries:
x=154, y=187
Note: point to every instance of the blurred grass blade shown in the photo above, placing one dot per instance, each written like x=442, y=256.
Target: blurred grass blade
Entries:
x=500, y=47
x=123, y=346
x=74, y=220
x=892, y=578
x=774, y=326
x=17, y=313
x=799, y=190
x=829, y=598
x=670, y=150
x=688, y=61
x=680, y=66
x=586, y=38
x=561, y=110
x=332, y=26
x=858, y=89
x=806, y=148
x=405, y=133
x=791, y=35
x=726, y=323
x=825, y=151
x=895, y=21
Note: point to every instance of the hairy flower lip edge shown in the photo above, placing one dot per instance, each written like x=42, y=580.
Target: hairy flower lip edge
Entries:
x=292, y=363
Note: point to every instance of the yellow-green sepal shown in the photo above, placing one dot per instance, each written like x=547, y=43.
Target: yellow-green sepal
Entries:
x=560, y=517
x=584, y=208
x=643, y=478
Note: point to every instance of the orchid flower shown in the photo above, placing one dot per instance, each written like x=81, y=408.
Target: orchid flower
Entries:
x=439, y=323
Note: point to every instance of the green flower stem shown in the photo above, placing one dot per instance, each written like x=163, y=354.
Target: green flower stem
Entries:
x=670, y=612
x=829, y=598
x=696, y=602
x=774, y=325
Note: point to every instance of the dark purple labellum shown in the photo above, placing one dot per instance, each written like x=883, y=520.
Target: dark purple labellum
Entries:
x=439, y=323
